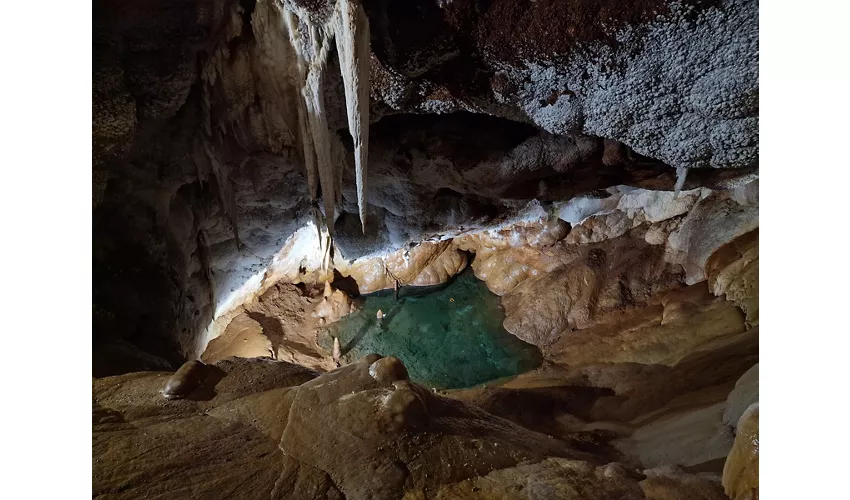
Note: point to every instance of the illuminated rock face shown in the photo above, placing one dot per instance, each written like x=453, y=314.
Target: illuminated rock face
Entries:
x=205, y=151
x=595, y=166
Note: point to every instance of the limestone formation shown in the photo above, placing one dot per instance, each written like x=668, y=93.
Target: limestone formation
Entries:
x=260, y=168
x=422, y=265
x=388, y=370
x=457, y=140
x=189, y=377
x=741, y=472
x=280, y=323
x=333, y=305
x=370, y=358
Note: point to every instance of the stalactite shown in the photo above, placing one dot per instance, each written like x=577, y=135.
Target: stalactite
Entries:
x=317, y=219
x=314, y=94
x=307, y=149
x=311, y=40
x=352, y=45
x=328, y=254
x=681, y=175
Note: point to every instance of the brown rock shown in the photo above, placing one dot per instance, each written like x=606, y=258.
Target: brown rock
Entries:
x=333, y=305
x=423, y=265
x=388, y=370
x=281, y=324
x=338, y=435
x=189, y=377
x=671, y=484
x=660, y=334
x=589, y=282
x=370, y=358
x=733, y=270
x=404, y=410
x=244, y=337
x=554, y=478
x=741, y=472
x=375, y=442
x=153, y=447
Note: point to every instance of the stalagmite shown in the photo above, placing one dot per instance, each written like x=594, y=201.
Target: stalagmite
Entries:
x=337, y=352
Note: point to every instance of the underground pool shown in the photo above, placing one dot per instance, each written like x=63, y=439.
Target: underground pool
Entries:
x=449, y=336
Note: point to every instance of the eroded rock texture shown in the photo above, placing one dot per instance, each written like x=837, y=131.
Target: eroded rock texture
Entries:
x=267, y=429
x=201, y=171
x=595, y=164
x=637, y=405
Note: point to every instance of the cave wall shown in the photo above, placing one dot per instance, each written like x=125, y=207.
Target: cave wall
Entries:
x=477, y=108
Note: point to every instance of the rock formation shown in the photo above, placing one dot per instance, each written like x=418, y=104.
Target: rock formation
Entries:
x=741, y=472
x=275, y=430
x=594, y=163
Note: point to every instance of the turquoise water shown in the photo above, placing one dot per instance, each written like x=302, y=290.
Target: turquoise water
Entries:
x=448, y=337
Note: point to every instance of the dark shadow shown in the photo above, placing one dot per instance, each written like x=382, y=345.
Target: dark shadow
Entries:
x=539, y=408
x=206, y=391
x=346, y=283
x=712, y=466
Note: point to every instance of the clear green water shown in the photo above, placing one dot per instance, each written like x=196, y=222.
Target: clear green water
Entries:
x=448, y=337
